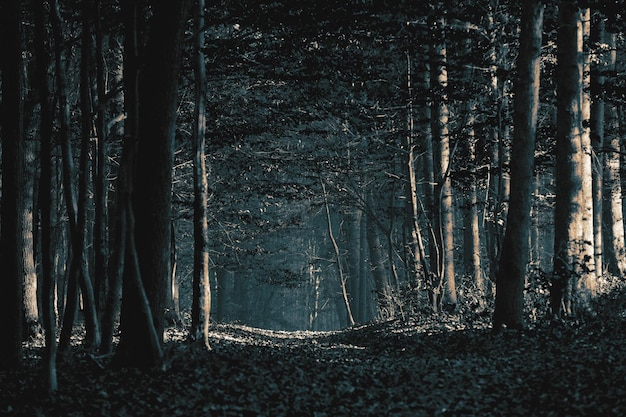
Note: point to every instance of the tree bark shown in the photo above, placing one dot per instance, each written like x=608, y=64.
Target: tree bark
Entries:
x=514, y=257
x=201, y=303
x=614, y=242
x=151, y=186
x=45, y=195
x=77, y=237
x=100, y=237
x=444, y=220
x=11, y=220
x=588, y=280
x=570, y=262
x=471, y=231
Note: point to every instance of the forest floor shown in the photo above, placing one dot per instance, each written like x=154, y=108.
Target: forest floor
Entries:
x=432, y=366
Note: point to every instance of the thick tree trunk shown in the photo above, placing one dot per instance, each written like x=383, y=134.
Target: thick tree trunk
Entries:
x=31, y=309
x=570, y=262
x=514, y=257
x=151, y=187
x=12, y=237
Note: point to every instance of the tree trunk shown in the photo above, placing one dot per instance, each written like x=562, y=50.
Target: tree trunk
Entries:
x=45, y=194
x=339, y=261
x=570, y=263
x=471, y=231
x=11, y=237
x=596, y=123
x=31, y=309
x=418, y=260
x=614, y=242
x=201, y=303
x=130, y=12
x=77, y=235
x=587, y=282
x=100, y=238
x=444, y=221
x=514, y=257
x=151, y=187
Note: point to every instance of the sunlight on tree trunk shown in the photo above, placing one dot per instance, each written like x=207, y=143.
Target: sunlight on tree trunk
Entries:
x=444, y=220
x=573, y=261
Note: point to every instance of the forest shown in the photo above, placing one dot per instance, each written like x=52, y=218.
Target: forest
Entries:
x=363, y=207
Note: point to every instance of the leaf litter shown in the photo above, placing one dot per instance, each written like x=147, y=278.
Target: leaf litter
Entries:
x=428, y=366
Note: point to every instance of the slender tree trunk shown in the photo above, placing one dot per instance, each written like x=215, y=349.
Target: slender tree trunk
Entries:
x=596, y=123
x=588, y=280
x=92, y=322
x=514, y=258
x=614, y=242
x=201, y=304
x=12, y=237
x=419, y=260
x=353, y=238
x=339, y=260
x=471, y=235
x=381, y=282
x=76, y=231
x=100, y=237
x=48, y=276
x=45, y=194
x=444, y=220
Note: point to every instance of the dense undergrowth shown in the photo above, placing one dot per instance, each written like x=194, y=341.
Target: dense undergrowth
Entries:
x=426, y=366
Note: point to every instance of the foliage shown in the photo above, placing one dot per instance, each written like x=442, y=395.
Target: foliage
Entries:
x=424, y=367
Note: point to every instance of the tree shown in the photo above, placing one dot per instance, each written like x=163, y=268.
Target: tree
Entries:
x=606, y=141
x=511, y=274
x=79, y=271
x=443, y=214
x=149, y=208
x=572, y=261
x=11, y=212
x=45, y=193
x=201, y=304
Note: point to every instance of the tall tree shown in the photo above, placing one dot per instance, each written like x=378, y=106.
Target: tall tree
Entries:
x=589, y=271
x=443, y=215
x=515, y=247
x=201, y=303
x=607, y=193
x=100, y=238
x=471, y=231
x=572, y=261
x=11, y=221
x=79, y=271
x=45, y=193
x=150, y=208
